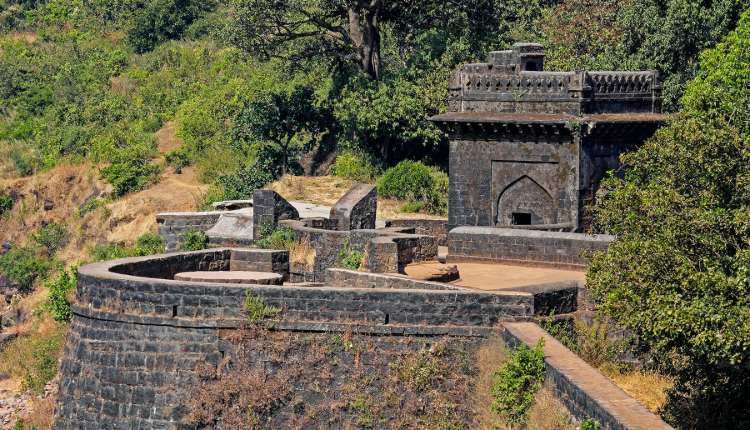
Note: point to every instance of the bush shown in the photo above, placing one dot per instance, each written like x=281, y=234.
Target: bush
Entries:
x=410, y=180
x=22, y=266
x=6, y=204
x=109, y=251
x=194, y=240
x=58, y=304
x=590, y=424
x=52, y=237
x=354, y=166
x=278, y=238
x=516, y=383
x=130, y=174
x=149, y=244
x=351, y=259
x=424, y=187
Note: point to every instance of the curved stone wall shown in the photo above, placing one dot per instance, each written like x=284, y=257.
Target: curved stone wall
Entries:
x=139, y=338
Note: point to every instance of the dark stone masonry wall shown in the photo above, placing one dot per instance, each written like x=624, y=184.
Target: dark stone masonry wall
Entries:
x=437, y=228
x=524, y=246
x=174, y=225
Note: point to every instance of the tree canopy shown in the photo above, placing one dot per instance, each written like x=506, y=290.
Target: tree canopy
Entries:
x=678, y=274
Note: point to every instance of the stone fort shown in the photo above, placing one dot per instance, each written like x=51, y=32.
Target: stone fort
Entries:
x=527, y=150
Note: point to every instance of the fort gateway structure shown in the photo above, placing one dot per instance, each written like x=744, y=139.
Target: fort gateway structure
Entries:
x=528, y=149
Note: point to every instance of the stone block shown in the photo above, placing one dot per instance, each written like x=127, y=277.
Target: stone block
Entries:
x=356, y=210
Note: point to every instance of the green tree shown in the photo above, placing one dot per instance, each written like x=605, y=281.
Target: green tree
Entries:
x=162, y=20
x=288, y=121
x=678, y=274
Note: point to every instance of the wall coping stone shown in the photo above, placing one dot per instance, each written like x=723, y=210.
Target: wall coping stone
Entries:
x=525, y=233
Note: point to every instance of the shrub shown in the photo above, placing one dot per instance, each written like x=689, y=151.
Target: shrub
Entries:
x=149, y=244
x=424, y=187
x=52, y=237
x=257, y=310
x=278, y=238
x=590, y=424
x=354, y=166
x=178, y=160
x=109, y=251
x=60, y=288
x=22, y=266
x=6, y=204
x=194, y=240
x=407, y=180
x=351, y=259
x=516, y=383
x=592, y=342
x=130, y=174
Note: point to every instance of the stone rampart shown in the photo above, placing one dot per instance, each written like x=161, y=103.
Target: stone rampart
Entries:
x=522, y=246
x=174, y=225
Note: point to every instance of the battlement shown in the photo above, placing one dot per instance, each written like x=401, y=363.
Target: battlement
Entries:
x=515, y=81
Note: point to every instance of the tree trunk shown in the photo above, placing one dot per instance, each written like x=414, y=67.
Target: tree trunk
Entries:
x=364, y=32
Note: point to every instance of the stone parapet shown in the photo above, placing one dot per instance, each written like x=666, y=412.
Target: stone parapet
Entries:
x=524, y=246
x=172, y=226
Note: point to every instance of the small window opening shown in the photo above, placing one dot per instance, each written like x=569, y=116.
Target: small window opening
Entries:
x=531, y=66
x=387, y=318
x=521, y=218
x=174, y=311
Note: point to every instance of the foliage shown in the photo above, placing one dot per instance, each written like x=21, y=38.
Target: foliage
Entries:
x=194, y=240
x=243, y=183
x=419, y=370
x=593, y=342
x=162, y=20
x=590, y=424
x=350, y=258
x=129, y=173
x=6, y=204
x=23, y=266
x=146, y=244
x=355, y=166
x=286, y=121
x=658, y=35
x=275, y=238
x=52, y=237
x=257, y=310
x=58, y=304
x=149, y=244
x=417, y=183
x=33, y=358
x=517, y=381
x=677, y=275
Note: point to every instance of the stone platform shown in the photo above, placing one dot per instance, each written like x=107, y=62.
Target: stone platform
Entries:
x=232, y=277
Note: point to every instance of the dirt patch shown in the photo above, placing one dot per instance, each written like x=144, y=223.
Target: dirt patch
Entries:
x=166, y=137
x=326, y=190
x=491, y=277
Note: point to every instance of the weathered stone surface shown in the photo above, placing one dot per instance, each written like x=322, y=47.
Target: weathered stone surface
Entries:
x=232, y=277
x=268, y=209
x=232, y=226
x=524, y=246
x=172, y=226
x=529, y=146
x=230, y=205
x=356, y=209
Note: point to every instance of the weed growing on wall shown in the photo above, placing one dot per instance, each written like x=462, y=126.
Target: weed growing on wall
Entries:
x=516, y=383
x=257, y=310
x=590, y=424
x=351, y=259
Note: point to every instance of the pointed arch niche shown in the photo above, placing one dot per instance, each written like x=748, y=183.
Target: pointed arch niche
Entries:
x=524, y=201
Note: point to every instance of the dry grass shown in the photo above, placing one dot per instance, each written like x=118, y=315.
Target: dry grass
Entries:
x=326, y=190
x=41, y=415
x=649, y=388
x=302, y=254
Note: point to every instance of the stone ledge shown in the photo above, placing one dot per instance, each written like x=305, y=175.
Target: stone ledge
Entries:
x=584, y=390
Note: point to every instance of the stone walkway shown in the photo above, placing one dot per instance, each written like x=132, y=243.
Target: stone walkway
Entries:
x=577, y=382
